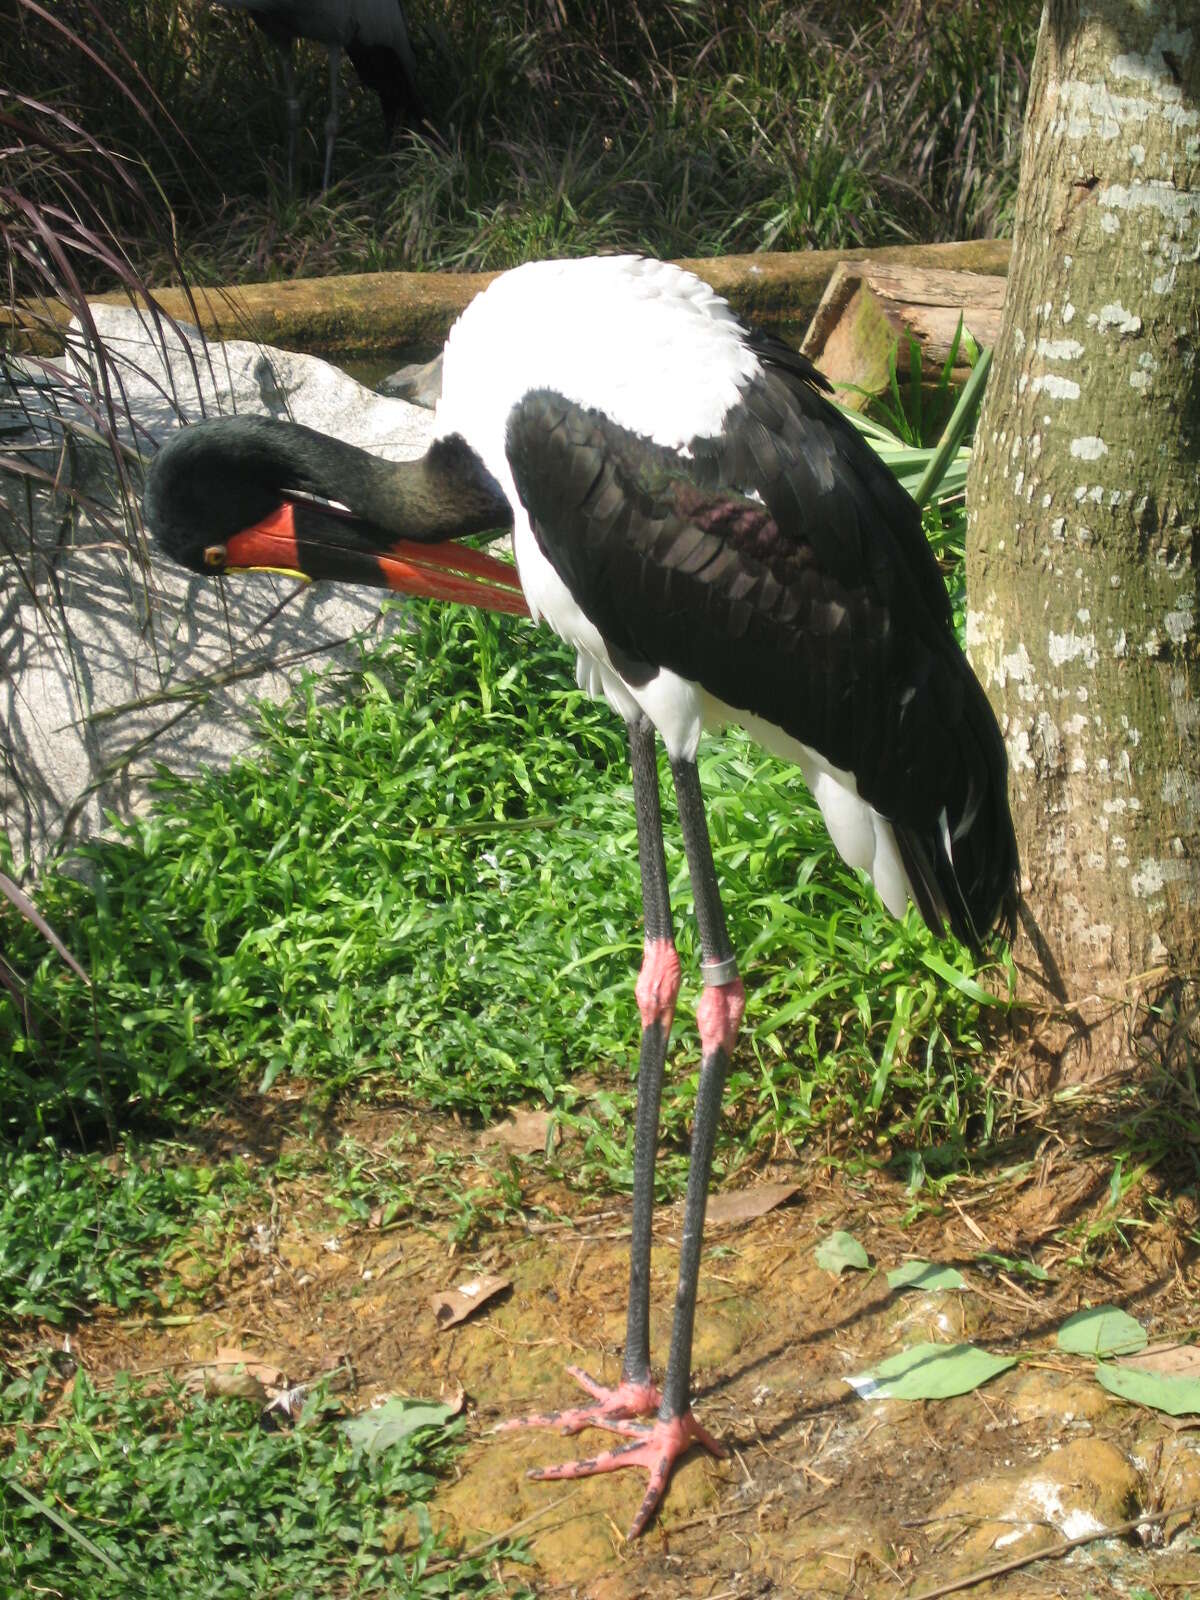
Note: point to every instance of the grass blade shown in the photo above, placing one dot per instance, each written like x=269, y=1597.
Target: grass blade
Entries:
x=955, y=430
x=69, y=1528
x=31, y=914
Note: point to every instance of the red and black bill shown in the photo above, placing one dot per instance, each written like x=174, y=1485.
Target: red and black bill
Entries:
x=303, y=539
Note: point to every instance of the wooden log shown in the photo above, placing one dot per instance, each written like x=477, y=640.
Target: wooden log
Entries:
x=871, y=309
x=381, y=311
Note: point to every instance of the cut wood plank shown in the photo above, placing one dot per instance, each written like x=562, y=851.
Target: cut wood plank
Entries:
x=870, y=310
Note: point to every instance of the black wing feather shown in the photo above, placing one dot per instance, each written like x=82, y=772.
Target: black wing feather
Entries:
x=817, y=606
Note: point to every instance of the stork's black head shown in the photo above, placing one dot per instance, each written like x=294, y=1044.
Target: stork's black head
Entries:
x=254, y=494
x=217, y=479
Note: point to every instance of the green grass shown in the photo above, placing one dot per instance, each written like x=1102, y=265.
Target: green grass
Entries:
x=459, y=1195
x=693, y=127
x=77, y=1232
x=430, y=886
x=163, y=1494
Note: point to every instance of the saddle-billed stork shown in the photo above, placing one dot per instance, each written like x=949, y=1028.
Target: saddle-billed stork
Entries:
x=693, y=515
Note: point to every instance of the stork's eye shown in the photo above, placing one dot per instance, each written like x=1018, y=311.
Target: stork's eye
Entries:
x=214, y=556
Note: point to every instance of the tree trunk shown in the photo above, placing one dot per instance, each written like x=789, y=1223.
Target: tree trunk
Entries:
x=1083, y=543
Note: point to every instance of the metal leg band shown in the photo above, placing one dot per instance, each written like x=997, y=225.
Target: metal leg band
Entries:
x=715, y=973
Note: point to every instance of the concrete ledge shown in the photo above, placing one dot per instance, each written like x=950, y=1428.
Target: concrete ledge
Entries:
x=377, y=311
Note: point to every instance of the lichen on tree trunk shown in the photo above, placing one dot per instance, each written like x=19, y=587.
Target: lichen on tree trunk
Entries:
x=1083, y=554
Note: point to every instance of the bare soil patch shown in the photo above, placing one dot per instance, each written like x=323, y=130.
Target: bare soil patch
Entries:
x=824, y=1493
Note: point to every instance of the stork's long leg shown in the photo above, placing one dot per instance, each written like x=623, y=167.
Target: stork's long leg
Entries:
x=657, y=990
x=719, y=1016
x=658, y=1446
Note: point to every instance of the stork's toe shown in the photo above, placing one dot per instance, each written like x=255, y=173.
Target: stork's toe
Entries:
x=655, y=1446
x=613, y=1407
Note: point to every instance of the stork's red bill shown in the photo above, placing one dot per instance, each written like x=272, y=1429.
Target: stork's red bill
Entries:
x=448, y=571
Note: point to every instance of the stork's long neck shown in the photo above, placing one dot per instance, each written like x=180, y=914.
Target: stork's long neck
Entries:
x=442, y=495
x=250, y=493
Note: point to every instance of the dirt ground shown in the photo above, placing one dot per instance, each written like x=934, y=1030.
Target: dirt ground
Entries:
x=824, y=1493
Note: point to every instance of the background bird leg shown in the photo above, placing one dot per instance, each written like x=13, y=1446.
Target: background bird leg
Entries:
x=291, y=102
x=657, y=991
x=331, y=121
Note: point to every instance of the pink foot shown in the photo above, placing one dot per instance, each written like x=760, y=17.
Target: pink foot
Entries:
x=627, y=1400
x=656, y=1446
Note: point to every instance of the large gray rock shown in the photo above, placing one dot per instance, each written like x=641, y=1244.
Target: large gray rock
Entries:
x=110, y=663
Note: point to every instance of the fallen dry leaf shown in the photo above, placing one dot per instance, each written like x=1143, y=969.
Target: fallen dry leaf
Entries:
x=231, y=1356
x=1175, y=1359
x=525, y=1132
x=455, y=1397
x=743, y=1205
x=235, y=1372
x=228, y=1382
x=451, y=1306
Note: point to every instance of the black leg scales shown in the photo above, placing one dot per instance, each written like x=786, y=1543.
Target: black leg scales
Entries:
x=657, y=1445
x=658, y=985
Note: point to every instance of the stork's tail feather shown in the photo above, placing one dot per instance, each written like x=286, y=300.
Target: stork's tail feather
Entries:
x=963, y=869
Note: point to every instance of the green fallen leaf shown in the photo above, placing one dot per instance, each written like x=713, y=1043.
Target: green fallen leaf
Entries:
x=925, y=1275
x=841, y=1250
x=930, y=1372
x=379, y=1429
x=1179, y=1397
x=1101, y=1331
x=1010, y=1264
